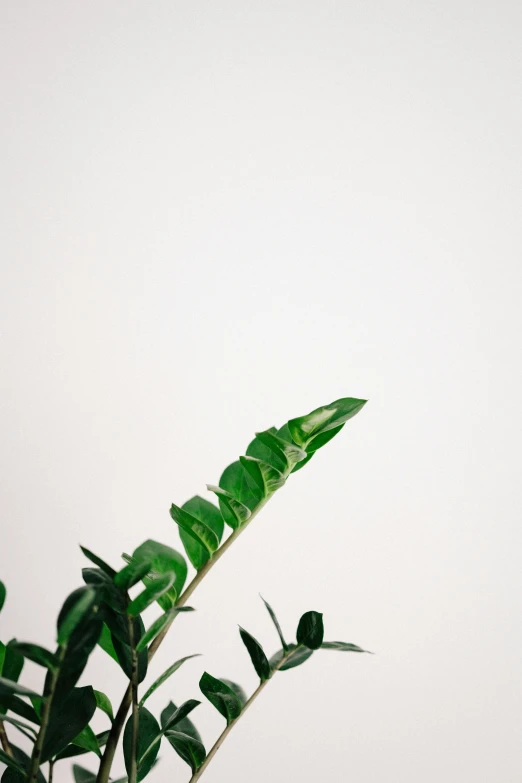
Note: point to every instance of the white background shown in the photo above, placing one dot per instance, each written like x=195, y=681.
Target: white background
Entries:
x=218, y=216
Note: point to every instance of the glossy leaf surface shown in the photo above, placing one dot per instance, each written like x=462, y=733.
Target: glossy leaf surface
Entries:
x=148, y=735
x=276, y=623
x=297, y=656
x=238, y=513
x=310, y=631
x=305, y=428
x=193, y=527
x=221, y=696
x=164, y=559
x=191, y=750
x=154, y=590
x=211, y=516
x=257, y=655
x=69, y=716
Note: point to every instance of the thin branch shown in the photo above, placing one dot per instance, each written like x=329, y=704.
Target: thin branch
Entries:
x=133, y=772
x=220, y=740
x=44, y=718
x=3, y=739
x=51, y=770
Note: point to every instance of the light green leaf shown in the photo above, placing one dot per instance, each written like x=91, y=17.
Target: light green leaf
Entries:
x=267, y=478
x=99, y=562
x=240, y=484
x=105, y=642
x=211, y=516
x=310, y=631
x=199, y=531
x=132, y=574
x=165, y=676
x=287, y=451
x=155, y=589
x=87, y=739
x=104, y=704
x=304, y=428
x=237, y=512
x=164, y=559
x=68, y=623
x=159, y=624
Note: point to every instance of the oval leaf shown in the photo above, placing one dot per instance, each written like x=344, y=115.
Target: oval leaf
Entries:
x=310, y=631
x=191, y=750
x=184, y=725
x=68, y=717
x=236, y=481
x=199, y=531
x=237, y=512
x=296, y=656
x=257, y=655
x=149, y=738
x=267, y=478
x=221, y=696
x=211, y=516
x=78, y=608
x=132, y=573
x=287, y=451
x=304, y=428
x=164, y=559
x=86, y=739
x=104, y=704
x=238, y=690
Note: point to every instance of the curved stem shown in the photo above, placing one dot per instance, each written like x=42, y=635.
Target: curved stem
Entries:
x=4, y=741
x=121, y=715
x=220, y=740
x=34, y=764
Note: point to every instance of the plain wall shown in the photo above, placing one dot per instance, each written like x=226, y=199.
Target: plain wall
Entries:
x=218, y=216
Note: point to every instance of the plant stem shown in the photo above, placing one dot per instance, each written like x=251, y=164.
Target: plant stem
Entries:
x=44, y=718
x=133, y=772
x=220, y=740
x=51, y=770
x=121, y=715
x=3, y=739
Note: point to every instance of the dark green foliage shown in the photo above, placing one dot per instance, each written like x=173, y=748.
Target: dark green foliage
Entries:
x=164, y=559
x=99, y=562
x=184, y=725
x=132, y=574
x=149, y=739
x=13, y=775
x=3, y=593
x=257, y=655
x=72, y=750
x=221, y=696
x=12, y=665
x=305, y=429
x=191, y=750
x=276, y=623
x=69, y=716
x=37, y=654
x=297, y=656
x=82, y=775
x=104, y=704
x=238, y=690
x=342, y=647
x=155, y=589
x=310, y=630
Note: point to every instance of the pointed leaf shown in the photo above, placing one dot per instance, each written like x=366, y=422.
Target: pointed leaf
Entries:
x=82, y=775
x=165, y=676
x=343, y=647
x=86, y=739
x=19, y=707
x=69, y=716
x=12, y=665
x=260, y=451
x=199, y=531
x=118, y=626
x=99, y=562
x=104, y=704
x=159, y=624
x=132, y=574
x=318, y=442
x=155, y=589
x=105, y=587
x=310, y=630
x=12, y=775
x=184, y=725
x=268, y=478
x=10, y=762
x=287, y=451
x=26, y=729
x=298, y=655
x=238, y=690
x=191, y=750
x=105, y=642
x=7, y=687
x=149, y=738
x=257, y=655
x=276, y=623
x=180, y=714
x=240, y=484
x=237, y=512
x=304, y=428
x=69, y=620
x=221, y=696
x=164, y=559
x=72, y=751
x=3, y=593
x=37, y=654
x=211, y=516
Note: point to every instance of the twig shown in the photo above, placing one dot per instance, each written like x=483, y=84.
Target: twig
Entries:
x=3, y=739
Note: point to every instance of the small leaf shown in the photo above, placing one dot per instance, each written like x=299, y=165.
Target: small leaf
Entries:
x=191, y=750
x=99, y=562
x=310, y=630
x=69, y=717
x=31, y=731
x=105, y=642
x=12, y=666
x=221, y=696
x=13, y=775
x=304, y=428
x=119, y=629
x=159, y=624
x=268, y=478
x=260, y=451
x=155, y=589
x=8, y=686
x=200, y=532
x=238, y=512
x=67, y=622
x=107, y=590
x=72, y=751
x=104, y=704
x=132, y=574
x=297, y=656
x=276, y=623
x=37, y=654
x=238, y=690
x=180, y=714
x=211, y=516
x=240, y=484
x=10, y=762
x=82, y=775
x=19, y=707
x=343, y=647
x=184, y=725
x=87, y=739
x=149, y=739
x=164, y=559
x=287, y=451
x=165, y=676
x=3, y=593
x=257, y=655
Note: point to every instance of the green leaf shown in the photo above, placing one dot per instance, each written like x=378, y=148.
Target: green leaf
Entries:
x=287, y=451
x=12, y=775
x=298, y=655
x=82, y=775
x=257, y=655
x=267, y=478
x=164, y=559
x=310, y=630
x=191, y=750
x=12, y=666
x=7, y=687
x=69, y=620
x=316, y=444
x=242, y=487
x=165, y=676
x=118, y=625
x=69, y=716
x=159, y=624
x=260, y=451
x=19, y=707
x=149, y=739
x=86, y=739
x=105, y=642
x=36, y=654
x=3, y=593
x=5, y=758
x=237, y=512
x=2, y=656
x=99, y=562
x=31, y=731
x=180, y=714
x=184, y=725
x=132, y=574
x=154, y=590
x=109, y=593
x=238, y=690
x=221, y=696
x=276, y=623
x=211, y=516
x=71, y=751
x=199, y=531
x=305, y=428
x=343, y=647
x=104, y=704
